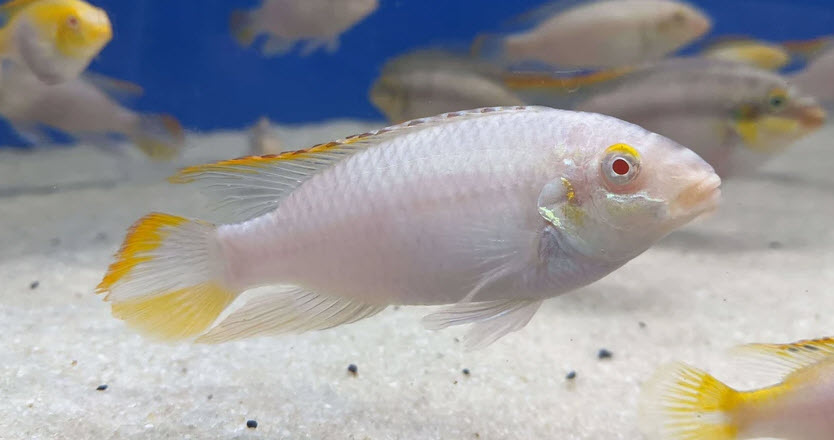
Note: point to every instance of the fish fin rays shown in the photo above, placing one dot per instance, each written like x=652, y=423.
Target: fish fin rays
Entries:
x=295, y=310
x=490, y=319
x=783, y=359
x=250, y=186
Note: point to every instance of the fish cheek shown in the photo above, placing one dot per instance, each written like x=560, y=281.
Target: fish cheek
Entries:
x=637, y=210
x=558, y=205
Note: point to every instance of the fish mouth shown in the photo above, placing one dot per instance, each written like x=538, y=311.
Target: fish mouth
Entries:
x=812, y=117
x=697, y=199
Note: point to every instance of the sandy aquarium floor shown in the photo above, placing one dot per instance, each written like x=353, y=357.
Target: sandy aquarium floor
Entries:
x=759, y=270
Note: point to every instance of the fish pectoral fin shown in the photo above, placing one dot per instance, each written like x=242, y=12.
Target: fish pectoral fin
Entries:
x=294, y=310
x=491, y=319
x=783, y=359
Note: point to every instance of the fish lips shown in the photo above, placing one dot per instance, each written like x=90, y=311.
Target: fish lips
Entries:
x=697, y=199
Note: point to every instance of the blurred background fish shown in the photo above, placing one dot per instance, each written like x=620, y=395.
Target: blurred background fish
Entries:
x=734, y=115
x=263, y=139
x=600, y=33
x=426, y=83
x=757, y=53
x=83, y=107
x=684, y=403
x=318, y=23
x=55, y=39
x=818, y=77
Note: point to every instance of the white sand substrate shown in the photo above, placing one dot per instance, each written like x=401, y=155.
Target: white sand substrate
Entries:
x=761, y=269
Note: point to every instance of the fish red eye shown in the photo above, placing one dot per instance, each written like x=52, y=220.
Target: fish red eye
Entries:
x=72, y=21
x=620, y=166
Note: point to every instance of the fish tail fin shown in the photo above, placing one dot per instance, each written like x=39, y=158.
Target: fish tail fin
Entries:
x=242, y=27
x=168, y=277
x=160, y=137
x=681, y=402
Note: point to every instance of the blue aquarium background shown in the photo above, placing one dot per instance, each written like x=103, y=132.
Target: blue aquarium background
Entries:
x=181, y=52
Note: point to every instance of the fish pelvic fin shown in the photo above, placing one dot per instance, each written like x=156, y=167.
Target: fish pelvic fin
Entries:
x=160, y=137
x=490, y=320
x=683, y=403
x=242, y=27
x=167, y=280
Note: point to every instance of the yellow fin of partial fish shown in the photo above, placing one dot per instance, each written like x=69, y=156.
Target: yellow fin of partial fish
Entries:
x=809, y=49
x=784, y=359
x=167, y=278
x=749, y=51
x=292, y=311
x=250, y=186
x=10, y=8
x=683, y=403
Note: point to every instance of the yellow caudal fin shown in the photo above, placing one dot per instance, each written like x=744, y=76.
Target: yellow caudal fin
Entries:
x=684, y=403
x=167, y=280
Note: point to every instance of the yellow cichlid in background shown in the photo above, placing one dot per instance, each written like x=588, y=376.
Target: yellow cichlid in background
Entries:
x=55, y=39
x=683, y=403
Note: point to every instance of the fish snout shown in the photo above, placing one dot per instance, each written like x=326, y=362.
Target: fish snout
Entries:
x=812, y=117
x=698, y=198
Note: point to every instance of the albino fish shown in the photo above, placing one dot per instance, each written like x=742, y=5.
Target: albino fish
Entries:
x=734, y=115
x=82, y=108
x=318, y=23
x=683, y=403
x=757, y=53
x=428, y=83
x=601, y=33
x=818, y=78
x=263, y=140
x=492, y=210
x=55, y=39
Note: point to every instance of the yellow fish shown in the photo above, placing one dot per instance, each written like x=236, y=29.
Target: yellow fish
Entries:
x=55, y=39
x=684, y=403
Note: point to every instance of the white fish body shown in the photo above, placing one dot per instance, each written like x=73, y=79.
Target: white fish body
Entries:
x=493, y=210
x=287, y=22
x=608, y=33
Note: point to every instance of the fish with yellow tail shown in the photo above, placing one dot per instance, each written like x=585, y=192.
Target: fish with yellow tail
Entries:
x=85, y=108
x=490, y=211
x=55, y=39
x=684, y=403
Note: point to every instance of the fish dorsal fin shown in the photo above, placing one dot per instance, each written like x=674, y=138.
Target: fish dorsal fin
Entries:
x=536, y=16
x=784, y=359
x=293, y=311
x=251, y=186
x=490, y=319
x=564, y=89
x=10, y=8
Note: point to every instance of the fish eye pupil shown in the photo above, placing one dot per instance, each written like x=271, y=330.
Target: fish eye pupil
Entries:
x=776, y=101
x=620, y=166
x=72, y=21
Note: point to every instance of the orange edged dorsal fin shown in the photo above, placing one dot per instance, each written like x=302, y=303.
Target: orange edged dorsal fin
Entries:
x=251, y=186
x=780, y=360
x=808, y=50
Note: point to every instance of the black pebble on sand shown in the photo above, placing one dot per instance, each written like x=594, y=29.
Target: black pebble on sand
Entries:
x=353, y=369
x=571, y=375
x=604, y=354
x=466, y=371
x=34, y=285
x=251, y=424
x=101, y=387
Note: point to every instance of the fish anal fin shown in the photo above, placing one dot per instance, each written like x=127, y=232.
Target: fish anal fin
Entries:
x=491, y=319
x=295, y=310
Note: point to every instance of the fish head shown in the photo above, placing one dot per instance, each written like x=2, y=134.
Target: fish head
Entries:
x=82, y=29
x=678, y=23
x=775, y=116
x=632, y=192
